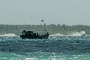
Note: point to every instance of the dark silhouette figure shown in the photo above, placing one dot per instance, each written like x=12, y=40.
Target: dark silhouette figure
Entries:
x=32, y=35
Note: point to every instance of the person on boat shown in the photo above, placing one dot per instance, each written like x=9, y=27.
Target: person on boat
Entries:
x=47, y=33
x=24, y=31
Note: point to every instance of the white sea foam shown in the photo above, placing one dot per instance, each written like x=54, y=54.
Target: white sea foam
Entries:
x=77, y=33
x=30, y=59
x=8, y=35
x=81, y=33
x=57, y=34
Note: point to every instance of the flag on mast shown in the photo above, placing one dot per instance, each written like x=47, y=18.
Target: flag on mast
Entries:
x=42, y=20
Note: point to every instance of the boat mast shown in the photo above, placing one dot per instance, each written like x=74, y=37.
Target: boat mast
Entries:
x=44, y=25
x=24, y=24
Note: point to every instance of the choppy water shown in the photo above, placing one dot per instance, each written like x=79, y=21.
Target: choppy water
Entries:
x=59, y=48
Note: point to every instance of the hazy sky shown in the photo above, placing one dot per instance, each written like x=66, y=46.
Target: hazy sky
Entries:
x=70, y=12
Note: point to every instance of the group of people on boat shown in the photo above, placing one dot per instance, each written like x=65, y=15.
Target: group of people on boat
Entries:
x=32, y=34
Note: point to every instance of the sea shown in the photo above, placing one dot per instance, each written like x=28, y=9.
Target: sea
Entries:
x=53, y=48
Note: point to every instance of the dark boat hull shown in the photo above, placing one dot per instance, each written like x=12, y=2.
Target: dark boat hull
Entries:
x=34, y=37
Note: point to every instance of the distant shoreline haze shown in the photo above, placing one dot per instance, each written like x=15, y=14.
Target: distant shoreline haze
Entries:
x=51, y=28
x=48, y=24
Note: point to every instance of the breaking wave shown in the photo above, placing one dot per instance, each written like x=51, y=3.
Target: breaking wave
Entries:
x=81, y=33
x=8, y=35
x=57, y=34
x=77, y=33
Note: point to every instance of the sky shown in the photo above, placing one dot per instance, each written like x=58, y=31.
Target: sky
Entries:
x=69, y=12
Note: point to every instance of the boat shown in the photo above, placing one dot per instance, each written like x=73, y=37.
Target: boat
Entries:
x=32, y=35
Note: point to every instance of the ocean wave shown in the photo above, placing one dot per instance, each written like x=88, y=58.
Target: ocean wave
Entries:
x=57, y=34
x=31, y=59
x=81, y=33
x=77, y=33
x=8, y=35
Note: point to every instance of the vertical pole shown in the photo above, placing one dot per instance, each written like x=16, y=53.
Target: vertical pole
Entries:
x=24, y=24
x=44, y=25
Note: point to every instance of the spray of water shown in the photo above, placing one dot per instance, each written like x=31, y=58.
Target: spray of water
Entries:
x=77, y=33
x=70, y=34
x=8, y=35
